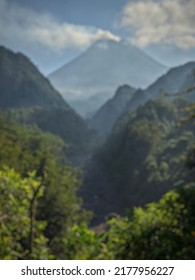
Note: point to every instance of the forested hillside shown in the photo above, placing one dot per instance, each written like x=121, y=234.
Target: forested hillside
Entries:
x=28, y=97
x=176, y=81
x=33, y=167
x=143, y=158
x=22, y=85
x=133, y=196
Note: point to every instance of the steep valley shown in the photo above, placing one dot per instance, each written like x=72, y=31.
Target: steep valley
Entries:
x=119, y=185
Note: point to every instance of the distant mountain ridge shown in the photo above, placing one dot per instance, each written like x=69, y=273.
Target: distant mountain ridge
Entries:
x=176, y=80
x=103, y=67
x=106, y=116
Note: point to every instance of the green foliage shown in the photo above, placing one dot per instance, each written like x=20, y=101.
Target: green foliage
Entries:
x=63, y=122
x=146, y=153
x=40, y=214
x=190, y=109
x=81, y=243
x=24, y=149
x=15, y=197
x=163, y=230
x=114, y=240
x=28, y=149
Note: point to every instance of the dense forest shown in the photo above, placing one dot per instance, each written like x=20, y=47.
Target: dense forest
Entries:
x=71, y=190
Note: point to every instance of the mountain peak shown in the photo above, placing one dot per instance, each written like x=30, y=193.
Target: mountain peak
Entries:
x=103, y=44
x=103, y=67
x=123, y=89
x=120, y=45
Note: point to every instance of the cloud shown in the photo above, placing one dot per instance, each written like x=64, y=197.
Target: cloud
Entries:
x=160, y=22
x=29, y=27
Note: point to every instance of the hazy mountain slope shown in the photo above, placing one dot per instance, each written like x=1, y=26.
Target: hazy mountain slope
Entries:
x=174, y=81
x=143, y=157
x=22, y=85
x=106, y=116
x=31, y=99
x=103, y=67
x=189, y=85
x=87, y=107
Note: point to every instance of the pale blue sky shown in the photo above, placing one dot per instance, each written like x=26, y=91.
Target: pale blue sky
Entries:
x=53, y=32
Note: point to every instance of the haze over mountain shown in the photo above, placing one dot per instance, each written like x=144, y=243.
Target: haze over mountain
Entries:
x=176, y=80
x=119, y=184
x=102, y=68
x=106, y=116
